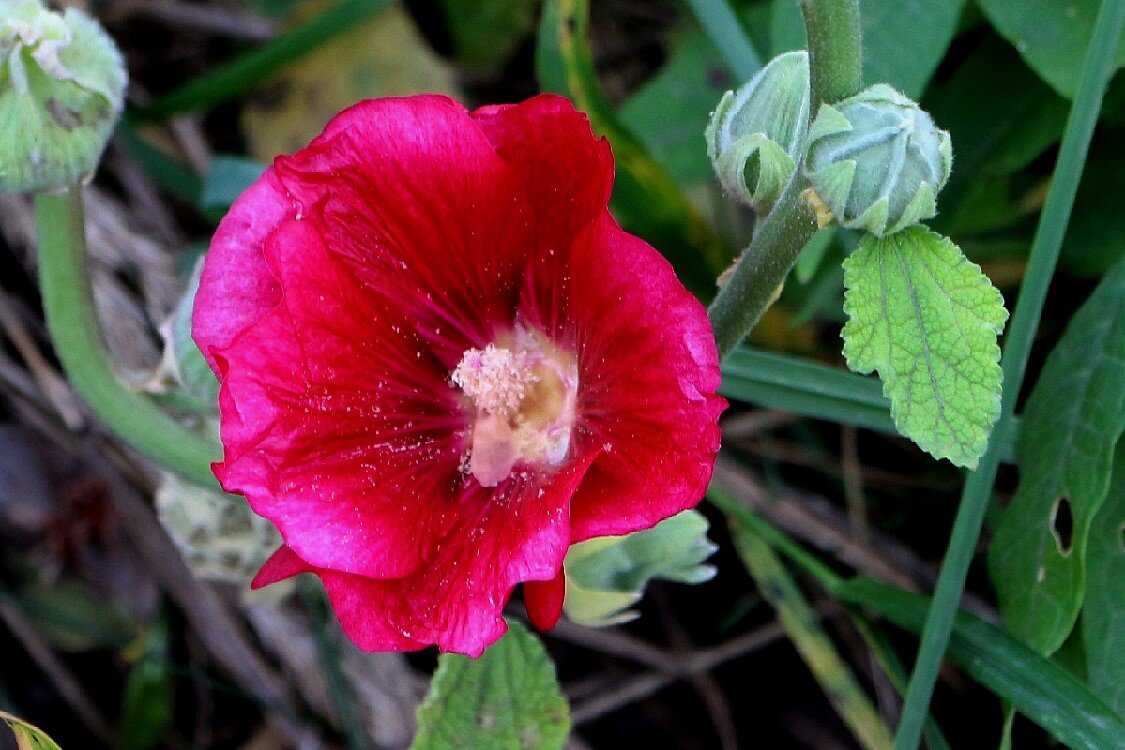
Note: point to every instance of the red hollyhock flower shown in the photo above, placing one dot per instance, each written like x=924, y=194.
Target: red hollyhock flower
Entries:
x=442, y=363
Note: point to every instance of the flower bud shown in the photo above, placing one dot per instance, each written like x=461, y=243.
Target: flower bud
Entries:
x=877, y=161
x=605, y=576
x=754, y=133
x=62, y=83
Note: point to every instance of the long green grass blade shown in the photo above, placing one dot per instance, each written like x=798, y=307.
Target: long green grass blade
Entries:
x=816, y=649
x=721, y=23
x=1040, y=689
x=1083, y=117
x=248, y=70
x=646, y=199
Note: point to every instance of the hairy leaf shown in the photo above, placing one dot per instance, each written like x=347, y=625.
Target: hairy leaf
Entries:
x=508, y=699
x=1103, y=613
x=1071, y=424
x=927, y=318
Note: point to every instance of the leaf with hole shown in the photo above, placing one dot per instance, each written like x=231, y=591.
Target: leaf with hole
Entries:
x=927, y=319
x=508, y=699
x=1103, y=613
x=1072, y=421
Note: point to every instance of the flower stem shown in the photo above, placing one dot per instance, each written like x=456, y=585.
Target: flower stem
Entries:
x=1025, y=319
x=834, y=60
x=72, y=320
x=835, y=52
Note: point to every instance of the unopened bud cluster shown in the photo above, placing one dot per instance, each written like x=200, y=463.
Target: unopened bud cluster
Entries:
x=875, y=161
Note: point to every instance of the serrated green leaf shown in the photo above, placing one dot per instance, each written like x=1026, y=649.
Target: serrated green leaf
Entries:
x=1071, y=423
x=1103, y=613
x=903, y=40
x=508, y=699
x=927, y=318
x=1051, y=35
x=28, y=736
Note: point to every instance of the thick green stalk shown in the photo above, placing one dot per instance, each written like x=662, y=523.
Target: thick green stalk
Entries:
x=835, y=51
x=835, y=66
x=72, y=320
x=1025, y=319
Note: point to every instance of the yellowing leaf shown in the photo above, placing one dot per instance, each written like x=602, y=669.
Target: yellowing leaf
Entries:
x=927, y=319
x=385, y=56
x=28, y=736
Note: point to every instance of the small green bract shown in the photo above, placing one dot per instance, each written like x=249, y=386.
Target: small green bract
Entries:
x=62, y=83
x=878, y=161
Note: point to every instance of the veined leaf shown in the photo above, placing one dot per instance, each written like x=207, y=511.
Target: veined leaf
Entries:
x=1103, y=613
x=1071, y=424
x=28, y=736
x=927, y=318
x=508, y=699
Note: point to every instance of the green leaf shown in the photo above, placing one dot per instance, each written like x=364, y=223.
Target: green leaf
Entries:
x=1072, y=421
x=669, y=112
x=927, y=318
x=1000, y=117
x=1095, y=236
x=69, y=616
x=508, y=699
x=607, y=575
x=28, y=737
x=646, y=199
x=227, y=178
x=1051, y=35
x=1103, y=616
x=182, y=358
x=148, y=707
x=1039, y=689
x=485, y=33
x=903, y=40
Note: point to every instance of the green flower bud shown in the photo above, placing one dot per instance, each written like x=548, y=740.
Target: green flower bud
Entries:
x=877, y=161
x=62, y=82
x=605, y=576
x=754, y=133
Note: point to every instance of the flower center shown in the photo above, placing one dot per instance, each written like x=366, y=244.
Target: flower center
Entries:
x=523, y=389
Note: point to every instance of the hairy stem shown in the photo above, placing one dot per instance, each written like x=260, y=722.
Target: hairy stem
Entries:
x=72, y=319
x=834, y=60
